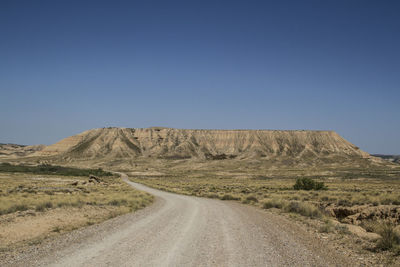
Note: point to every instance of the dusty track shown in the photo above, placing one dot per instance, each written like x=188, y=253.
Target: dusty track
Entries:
x=187, y=231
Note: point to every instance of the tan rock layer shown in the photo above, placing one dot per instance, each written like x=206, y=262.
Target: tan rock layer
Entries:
x=213, y=144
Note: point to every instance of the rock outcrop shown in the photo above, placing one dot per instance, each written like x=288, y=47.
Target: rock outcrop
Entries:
x=171, y=143
x=356, y=214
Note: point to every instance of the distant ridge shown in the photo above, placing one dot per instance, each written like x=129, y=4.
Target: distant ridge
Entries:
x=169, y=143
x=15, y=151
x=390, y=158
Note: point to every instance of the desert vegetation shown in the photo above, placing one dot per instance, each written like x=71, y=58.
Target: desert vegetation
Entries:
x=51, y=169
x=56, y=203
x=348, y=196
x=308, y=184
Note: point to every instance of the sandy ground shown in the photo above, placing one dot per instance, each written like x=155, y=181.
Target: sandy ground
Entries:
x=15, y=228
x=186, y=231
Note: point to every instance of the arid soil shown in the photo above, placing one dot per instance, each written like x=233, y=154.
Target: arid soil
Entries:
x=186, y=231
x=29, y=226
x=35, y=207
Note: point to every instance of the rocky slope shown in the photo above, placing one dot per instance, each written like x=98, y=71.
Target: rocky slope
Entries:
x=205, y=144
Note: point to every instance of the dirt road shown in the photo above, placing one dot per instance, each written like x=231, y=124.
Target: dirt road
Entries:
x=187, y=231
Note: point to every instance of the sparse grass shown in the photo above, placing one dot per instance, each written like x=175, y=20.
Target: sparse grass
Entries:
x=241, y=185
x=346, y=186
x=229, y=197
x=48, y=194
x=20, y=192
x=305, y=209
x=342, y=229
x=44, y=206
x=274, y=203
x=250, y=199
x=13, y=208
x=57, y=229
x=260, y=184
x=327, y=227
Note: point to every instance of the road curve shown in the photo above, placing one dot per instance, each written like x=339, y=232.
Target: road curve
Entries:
x=188, y=231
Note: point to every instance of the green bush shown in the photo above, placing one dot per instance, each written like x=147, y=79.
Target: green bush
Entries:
x=52, y=169
x=308, y=184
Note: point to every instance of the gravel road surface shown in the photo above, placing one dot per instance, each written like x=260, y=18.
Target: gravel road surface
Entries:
x=182, y=230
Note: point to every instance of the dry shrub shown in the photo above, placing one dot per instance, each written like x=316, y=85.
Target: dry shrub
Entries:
x=43, y=206
x=274, y=203
x=390, y=239
x=305, y=209
x=13, y=208
x=342, y=229
x=369, y=226
x=229, y=197
x=302, y=208
x=327, y=227
x=250, y=199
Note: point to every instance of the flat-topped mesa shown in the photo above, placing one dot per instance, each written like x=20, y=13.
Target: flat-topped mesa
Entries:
x=172, y=143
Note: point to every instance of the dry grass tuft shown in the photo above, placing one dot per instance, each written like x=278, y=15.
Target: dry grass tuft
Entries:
x=390, y=239
x=305, y=209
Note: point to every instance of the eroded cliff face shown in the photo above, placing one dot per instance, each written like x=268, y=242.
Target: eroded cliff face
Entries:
x=207, y=144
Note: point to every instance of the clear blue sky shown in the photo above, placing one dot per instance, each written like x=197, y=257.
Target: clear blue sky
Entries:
x=68, y=66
